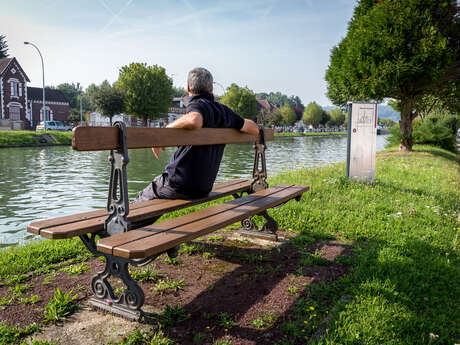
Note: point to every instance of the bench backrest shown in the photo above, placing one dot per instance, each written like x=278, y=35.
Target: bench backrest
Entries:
x=108, y=138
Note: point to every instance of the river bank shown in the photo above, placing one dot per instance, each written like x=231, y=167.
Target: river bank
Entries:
x=308, y=134
x=368, y=263
x=35, y=139
x=31, y=139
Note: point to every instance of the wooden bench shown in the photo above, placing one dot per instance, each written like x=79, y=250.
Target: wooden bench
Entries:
x=127, y=235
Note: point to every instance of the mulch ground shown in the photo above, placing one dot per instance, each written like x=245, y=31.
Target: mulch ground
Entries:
x=241, y=278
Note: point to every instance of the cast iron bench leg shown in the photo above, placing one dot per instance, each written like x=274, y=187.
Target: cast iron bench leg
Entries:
x=132, y=298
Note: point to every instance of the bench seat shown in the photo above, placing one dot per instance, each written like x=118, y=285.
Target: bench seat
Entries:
x=158, y=238
x=93, y=222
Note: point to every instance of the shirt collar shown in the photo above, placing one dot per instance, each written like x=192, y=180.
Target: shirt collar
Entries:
x=208, y=96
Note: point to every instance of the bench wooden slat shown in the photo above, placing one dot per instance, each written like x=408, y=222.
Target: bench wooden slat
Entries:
x=162, y=239
x=107, y=244
x=88, y=222
x=107, y=138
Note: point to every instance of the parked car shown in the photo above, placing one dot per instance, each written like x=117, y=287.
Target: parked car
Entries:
x=52, y=126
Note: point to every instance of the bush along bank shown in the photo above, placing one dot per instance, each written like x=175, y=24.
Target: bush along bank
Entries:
x=30, y=138
x=403, y=278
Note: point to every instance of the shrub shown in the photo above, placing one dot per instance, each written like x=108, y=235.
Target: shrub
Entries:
x=61, y=305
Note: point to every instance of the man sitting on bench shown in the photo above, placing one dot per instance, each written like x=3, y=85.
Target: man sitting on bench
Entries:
x=192, y=170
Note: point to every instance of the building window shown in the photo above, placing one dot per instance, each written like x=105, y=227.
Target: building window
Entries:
x=15, y=113
x=15, y=89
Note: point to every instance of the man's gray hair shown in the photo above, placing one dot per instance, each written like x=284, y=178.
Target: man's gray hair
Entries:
x=200, y=80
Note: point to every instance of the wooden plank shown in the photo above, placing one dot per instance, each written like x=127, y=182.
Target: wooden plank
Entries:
x=162, y=240
x=89, y=222
x=107, y=244
x=107, y=138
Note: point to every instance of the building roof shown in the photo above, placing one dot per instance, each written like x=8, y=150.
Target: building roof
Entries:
x=51, y=95
x=264, y=104
x=4, y=63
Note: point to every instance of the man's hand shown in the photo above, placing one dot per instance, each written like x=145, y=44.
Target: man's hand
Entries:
x=156, y=151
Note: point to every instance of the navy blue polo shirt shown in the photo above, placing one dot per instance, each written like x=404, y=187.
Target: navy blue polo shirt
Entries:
x=193, y=169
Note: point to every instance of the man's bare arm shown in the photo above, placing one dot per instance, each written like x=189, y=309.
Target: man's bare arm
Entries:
x=192, y=120
x=250, y=127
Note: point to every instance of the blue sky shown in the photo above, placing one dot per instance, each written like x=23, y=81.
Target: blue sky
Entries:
x=266, y=45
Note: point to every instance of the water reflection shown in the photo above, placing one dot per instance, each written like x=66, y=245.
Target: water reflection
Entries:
x=41, y=183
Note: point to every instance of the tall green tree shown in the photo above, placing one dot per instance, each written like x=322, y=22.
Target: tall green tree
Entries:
x=275, y=118
x=3, y=47
x=71, y=92
x=109, y=100
x=241, y=100
x=288, y=115
x=313, y=114
x=148, y=90
x=337, y=117
x=396, y=49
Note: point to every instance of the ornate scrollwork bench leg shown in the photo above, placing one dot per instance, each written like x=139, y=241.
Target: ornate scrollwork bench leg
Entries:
x=259, y=182
x=129, y=303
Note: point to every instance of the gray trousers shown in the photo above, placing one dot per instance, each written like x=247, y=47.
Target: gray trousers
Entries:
x=159, y=189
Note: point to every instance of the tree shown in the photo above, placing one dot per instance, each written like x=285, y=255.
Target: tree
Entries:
x=288, y=115
x=337, y=117
x=71, y=92
x=241, y=100
x=3, y=47
x=313, y=114
x=179, y=91
x=109, y=101
x=396, y=49
x=274, y=118
x=148, y=90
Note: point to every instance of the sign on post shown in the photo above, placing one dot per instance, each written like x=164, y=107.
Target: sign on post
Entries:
x=362, y=136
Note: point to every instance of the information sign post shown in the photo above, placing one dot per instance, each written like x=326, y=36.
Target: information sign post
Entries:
x=362, y=136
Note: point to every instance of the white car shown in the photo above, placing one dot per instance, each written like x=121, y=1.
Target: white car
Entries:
x=52, y=126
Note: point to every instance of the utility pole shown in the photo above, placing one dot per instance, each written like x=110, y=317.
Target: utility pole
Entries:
x=81, y=109
x=43, y=76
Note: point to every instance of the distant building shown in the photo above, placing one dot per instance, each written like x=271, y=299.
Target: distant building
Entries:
x=56, y=104
x=23, y=105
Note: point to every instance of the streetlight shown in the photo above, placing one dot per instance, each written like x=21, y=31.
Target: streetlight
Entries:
x=43, y=74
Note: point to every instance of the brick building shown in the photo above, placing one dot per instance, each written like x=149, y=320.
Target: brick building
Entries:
x=23, y=105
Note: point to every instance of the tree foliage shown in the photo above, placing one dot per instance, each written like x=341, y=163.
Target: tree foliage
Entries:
x=109, y=100
x=179, y=91
x=274, y=118
x=3, y=47
x=313, y=114
x=336, y=117
x=148, y=90
x=396, y=49
x=288, y=115
x=241, y=100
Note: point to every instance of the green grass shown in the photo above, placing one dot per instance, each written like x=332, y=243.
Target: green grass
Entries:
x=308, y=134
x=404, y=282
x=168, y=284
x=27, y=138
x=38, y=256
x=144, y=337
x=10, y=335
x=60, y=306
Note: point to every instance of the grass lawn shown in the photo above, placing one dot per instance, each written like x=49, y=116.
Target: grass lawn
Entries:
x=27, y=138
x=403, y=284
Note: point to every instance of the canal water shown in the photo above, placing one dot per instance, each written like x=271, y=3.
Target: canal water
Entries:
x=47, y=182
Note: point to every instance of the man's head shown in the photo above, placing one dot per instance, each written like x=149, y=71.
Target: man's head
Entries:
x=199, y=81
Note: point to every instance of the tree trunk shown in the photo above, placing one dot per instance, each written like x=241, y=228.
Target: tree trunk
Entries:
x=405, y=125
